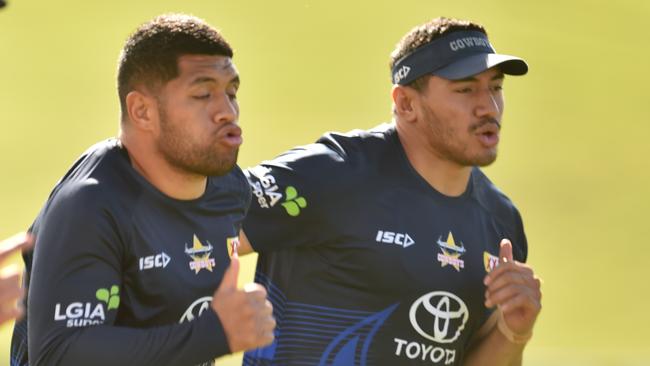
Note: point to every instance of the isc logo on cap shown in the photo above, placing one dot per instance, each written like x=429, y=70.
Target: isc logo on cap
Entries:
x=401, y=73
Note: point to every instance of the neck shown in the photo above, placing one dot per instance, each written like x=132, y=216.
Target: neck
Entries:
x=168, y=179
x=445, y=176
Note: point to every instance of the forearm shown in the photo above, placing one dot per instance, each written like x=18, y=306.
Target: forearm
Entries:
x=179, y=344
x=494, y=350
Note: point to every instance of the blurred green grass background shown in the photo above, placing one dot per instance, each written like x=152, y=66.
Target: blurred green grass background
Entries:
x=574, y=146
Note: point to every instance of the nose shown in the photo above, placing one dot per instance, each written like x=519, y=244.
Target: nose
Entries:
x=226, y=111
x=489, y=104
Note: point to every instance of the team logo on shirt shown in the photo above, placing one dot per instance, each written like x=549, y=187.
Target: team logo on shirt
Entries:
x=451, y=252
x=81, y=314
x=232, y=244
x=200, y=255
x=490, y=261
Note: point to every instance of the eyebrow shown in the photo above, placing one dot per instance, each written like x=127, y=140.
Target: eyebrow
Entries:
x=498, y=76
x=208, y=79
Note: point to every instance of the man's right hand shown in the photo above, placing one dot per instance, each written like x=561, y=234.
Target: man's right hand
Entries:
x=245, y=314
x=10, y=289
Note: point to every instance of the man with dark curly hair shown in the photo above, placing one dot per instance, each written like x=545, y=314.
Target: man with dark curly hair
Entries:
x=135, y=258
x=390, y=246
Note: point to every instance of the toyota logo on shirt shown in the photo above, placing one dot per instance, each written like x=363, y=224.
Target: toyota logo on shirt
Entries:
x=439, y=316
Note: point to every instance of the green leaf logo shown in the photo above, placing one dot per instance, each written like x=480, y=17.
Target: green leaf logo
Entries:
x=292, y=202
x=112, y=298
x=290, y=193
x=102, y=294
x=114, y=301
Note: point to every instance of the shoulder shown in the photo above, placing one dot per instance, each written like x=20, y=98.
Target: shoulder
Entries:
x=98, y=180
x=359, y=144
x=107, y=163
x=491, y=198
x=357, y=139
x=323, y=171
x=501, y=209
x=351, y=153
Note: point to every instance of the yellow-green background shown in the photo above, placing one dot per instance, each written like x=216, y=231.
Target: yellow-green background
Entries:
x=573, y=155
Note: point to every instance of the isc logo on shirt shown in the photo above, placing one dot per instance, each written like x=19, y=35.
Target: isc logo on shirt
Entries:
x=154, y=261
x=389, y=237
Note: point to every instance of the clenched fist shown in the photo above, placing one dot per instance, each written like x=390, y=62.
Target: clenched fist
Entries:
x=515, y=289
x=245, y=314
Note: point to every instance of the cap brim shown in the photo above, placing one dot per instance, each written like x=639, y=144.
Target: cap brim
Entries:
x=476, y=64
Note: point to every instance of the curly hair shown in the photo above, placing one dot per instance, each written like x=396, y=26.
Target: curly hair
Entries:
x=424, y=34
x=150, y=55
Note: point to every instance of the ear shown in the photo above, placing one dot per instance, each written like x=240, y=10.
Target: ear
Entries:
x=404, y=100
x=142, y=109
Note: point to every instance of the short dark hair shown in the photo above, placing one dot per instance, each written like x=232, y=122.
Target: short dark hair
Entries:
x=424, y=34
x=150, y=55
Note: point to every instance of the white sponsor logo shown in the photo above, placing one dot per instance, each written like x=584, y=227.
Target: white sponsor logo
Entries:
x=444, y=316
x=421, y=351
x=401, y=73
x=79, y=314
x=439, y=316
x=266, y=190
x=196, y=309
x=154, y=261
x=389, y=237
x=468, y=42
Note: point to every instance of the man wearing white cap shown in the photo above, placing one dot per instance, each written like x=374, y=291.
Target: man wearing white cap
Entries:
x=390, y=246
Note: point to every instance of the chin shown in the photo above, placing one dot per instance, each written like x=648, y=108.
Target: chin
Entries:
x=223, y=168
x=485, y=160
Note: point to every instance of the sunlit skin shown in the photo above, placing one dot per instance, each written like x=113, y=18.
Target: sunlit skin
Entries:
x=187, y=129
x=450, y=126
x=464, y=129
x=198, y=116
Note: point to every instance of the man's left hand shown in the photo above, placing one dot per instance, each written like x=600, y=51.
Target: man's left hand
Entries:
x=513, y=287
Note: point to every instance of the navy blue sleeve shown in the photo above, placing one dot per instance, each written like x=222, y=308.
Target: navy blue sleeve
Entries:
x=291, y=197
x=74, y=296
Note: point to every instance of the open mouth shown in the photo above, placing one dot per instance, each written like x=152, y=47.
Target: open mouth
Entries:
x=489, y=138
x=488, y=134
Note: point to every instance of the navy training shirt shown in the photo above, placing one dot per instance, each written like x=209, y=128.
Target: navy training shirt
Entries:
x=122, y=274
x=365, y=263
